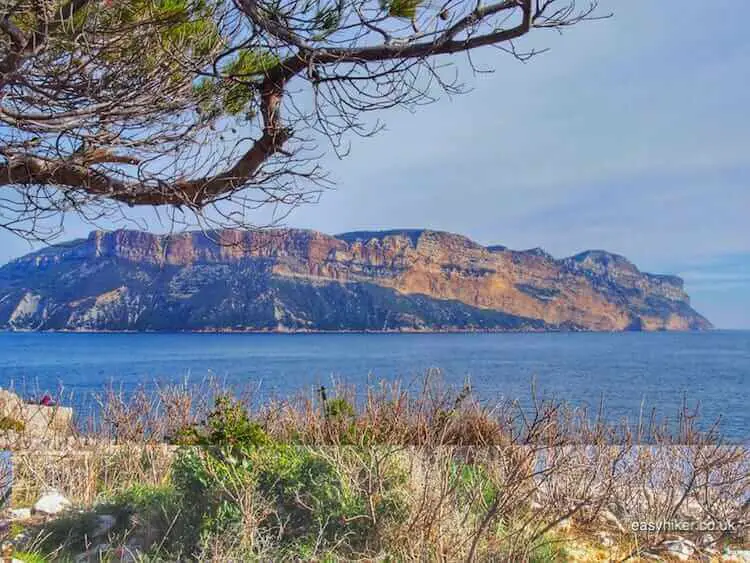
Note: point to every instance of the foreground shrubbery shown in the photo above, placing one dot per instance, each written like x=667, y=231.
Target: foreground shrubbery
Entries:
x=431, y=476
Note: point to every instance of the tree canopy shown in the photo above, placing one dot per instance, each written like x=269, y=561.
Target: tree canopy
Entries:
x=214, y=108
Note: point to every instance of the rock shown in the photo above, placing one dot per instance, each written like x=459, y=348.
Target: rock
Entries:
x=131, y=552
x=604, y=539
x=41, y=421
x=95, y=554
x=33, y=420
x=651, y=556
x=610, y=518
x=104, y=523
x=460, y=284
x=687, y=542
x=679, y=549
x=51, y=502
x=706, y=540
x=19, y=513
x=11, y=404
x=738, y=555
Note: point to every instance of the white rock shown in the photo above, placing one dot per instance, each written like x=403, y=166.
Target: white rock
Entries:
x=38, y=421
x=679, y=549
x=51, y=502
x=707, y=539
x=687, y=542
x=19, y=513
x=741, y=555
x=104, y=523
x=610, y=518
x=605, y=539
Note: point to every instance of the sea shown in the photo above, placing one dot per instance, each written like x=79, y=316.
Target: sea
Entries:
x=628, y=374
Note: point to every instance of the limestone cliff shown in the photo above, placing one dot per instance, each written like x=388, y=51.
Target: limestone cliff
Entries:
x=289, y=279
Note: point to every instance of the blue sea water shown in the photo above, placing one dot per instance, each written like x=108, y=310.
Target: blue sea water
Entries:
x=627, y=371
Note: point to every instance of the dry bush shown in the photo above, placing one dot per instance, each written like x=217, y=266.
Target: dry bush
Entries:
x=85, y=475
x=434, y=474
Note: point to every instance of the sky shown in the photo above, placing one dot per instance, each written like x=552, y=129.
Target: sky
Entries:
x=631, y=134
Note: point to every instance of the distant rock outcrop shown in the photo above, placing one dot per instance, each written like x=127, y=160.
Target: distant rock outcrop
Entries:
x=17, y=416
x=288, y=280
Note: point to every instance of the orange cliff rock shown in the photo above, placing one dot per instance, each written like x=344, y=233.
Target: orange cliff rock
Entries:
x=287, y=279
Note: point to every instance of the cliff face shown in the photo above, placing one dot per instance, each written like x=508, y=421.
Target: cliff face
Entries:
x=305, y=280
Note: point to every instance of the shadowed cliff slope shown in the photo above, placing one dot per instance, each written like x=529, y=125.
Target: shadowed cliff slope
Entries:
x=289, y=279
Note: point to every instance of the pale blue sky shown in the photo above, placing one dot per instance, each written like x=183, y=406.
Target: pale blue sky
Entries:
x=630, y=134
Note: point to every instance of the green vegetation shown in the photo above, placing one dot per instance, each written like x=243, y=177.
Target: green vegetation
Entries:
x=402, y=8
x=237, y=95
x=315, y=505
x=29, y=557
x=310, y=504
x=392, y=477
x=11, y=424
x=228, y=426
x=472, y=485
x=549, y=550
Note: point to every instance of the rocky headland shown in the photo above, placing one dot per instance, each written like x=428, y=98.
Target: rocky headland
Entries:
x=298, y=280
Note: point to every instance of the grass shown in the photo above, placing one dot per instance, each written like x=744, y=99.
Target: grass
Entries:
x=432, y=475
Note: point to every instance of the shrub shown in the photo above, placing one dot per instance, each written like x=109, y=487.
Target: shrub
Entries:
x=154, y=510
x=309, y=492
x=295, y=494
x=9, y=424
x=228, y=426
x=208, y=487
x=339, y=408
x=147, y=512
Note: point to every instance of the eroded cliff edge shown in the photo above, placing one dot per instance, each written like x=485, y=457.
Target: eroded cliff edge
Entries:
x=289, y=279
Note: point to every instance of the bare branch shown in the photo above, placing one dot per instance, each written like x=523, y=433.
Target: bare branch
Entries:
x=218, y=107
